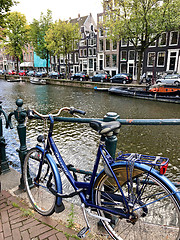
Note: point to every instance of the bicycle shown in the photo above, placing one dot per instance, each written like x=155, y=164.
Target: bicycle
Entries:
x=130, y=196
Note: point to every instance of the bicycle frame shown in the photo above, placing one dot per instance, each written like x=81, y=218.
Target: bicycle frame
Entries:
x=79, y=187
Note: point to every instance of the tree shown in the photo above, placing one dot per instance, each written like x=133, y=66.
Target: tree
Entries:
x=38, y=29
x=4, y=9
x=61, y=38
x=16, y=33
x=141, y=22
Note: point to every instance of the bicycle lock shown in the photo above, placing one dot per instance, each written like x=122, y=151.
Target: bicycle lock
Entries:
x=111, y=142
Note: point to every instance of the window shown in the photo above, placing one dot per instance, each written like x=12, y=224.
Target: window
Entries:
x=94, y=41
x=94, y=51
x=124, y=55
x=24, y=56
x=100, y=19
x=107, y=60
x=163, y=39
x=31, y=58
x=107, y=44
x=81, y=52
x=101, y=32
x=161, y=59
x=90, y=63
x=92, y=27
x=85, y=52
x=123, y=68
x=90, y=52
x=123, y=42
x=174, y=38
x=153, y=44
x=101, y=45
x=131, y=55
x=114, y=60
x=151, y=59
x=114, y=45
x=76, y=57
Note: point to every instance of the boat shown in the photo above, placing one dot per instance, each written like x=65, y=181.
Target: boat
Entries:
x=15, y=80
x=157, y=92
x=101, y=89
x=38, y=81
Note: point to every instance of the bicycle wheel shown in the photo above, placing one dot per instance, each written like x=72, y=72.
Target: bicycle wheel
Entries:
x=157, y=212
x=41, y=198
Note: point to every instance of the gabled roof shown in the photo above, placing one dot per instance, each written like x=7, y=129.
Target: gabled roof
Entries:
x=79, y=20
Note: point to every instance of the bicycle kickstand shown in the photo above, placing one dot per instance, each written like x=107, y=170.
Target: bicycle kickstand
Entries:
x=85, y=230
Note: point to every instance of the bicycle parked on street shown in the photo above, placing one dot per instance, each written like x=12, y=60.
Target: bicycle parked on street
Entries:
x=130, y=196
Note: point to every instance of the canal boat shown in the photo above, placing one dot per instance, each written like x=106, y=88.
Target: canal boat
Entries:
x=38, y=81
x=157, y=92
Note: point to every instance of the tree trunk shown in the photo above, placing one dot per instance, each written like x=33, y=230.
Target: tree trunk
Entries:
x=47, y=69
x=139, y=67
x=17, y=59
x=66, y=66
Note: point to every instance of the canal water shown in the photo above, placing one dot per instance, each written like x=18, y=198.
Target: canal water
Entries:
x=78, y=142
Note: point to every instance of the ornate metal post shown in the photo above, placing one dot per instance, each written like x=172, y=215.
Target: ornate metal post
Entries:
x=4, y=167
x=111, y=142
x=20, y=115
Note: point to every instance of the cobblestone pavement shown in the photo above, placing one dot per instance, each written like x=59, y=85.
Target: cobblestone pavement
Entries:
x=17, y=222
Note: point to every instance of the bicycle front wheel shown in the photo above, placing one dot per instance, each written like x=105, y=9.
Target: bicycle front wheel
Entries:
x=157, y=210
x=36, y=177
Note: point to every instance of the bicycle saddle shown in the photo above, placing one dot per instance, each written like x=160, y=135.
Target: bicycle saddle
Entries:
x=106, y=128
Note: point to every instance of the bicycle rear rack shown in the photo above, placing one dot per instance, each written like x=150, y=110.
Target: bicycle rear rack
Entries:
x=145, y=159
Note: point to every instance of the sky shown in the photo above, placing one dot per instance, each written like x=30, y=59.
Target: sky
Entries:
x=61, y=9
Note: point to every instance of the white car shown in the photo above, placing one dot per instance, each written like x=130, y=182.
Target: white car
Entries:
x=170, y=79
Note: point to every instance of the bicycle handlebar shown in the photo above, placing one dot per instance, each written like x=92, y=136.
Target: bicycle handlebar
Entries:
x=71, y=110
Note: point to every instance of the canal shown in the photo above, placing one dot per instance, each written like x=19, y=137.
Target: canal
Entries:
x=78, y=142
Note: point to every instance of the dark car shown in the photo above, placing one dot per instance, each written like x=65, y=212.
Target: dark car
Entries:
x=2, y=72
x=122, y=78
x=101, y=77
x=40, y=74
x=80, y=76
x=31, y=73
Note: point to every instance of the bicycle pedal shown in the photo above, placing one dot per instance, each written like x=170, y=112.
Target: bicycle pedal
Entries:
x=83, y=232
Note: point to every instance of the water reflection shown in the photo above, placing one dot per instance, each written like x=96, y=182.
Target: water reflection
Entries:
x=77, y=142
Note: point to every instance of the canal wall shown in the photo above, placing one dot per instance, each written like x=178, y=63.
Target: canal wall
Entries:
x=72, y=83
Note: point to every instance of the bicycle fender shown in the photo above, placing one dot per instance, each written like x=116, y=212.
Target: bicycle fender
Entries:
x=56, y=174
x=156, y=173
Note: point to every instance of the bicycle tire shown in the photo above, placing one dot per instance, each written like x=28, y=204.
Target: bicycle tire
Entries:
x=41, y=198
x=159, y=220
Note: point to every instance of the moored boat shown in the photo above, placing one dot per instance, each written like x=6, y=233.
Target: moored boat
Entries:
x=38, y=81
x=158, y=92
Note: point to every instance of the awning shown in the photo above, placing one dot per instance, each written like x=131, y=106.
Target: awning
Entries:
x=26, y=64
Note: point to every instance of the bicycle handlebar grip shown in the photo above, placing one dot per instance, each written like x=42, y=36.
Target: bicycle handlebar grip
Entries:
x=30, y=114
x=74, y=110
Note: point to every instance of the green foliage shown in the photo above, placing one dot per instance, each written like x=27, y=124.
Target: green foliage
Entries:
x=62, y=37
x=16, y=33
x=141, y=21
x=71, y=217
x=5, y=6
x=38, y=29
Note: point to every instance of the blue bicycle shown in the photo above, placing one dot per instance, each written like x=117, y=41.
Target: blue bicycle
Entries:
x=130, y=196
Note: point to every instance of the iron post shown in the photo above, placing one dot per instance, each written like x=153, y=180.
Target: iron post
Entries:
x=111, y=142
x=4, y=166
x=20, y=116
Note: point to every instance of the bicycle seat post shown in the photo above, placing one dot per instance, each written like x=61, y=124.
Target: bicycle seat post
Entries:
x=111, y=142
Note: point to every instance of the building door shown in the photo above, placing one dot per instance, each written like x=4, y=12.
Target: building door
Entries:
x=131, y=68
x=100, y=64
x=172, y=60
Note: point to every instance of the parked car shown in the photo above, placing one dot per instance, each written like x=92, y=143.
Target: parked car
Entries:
x=31, y=73
x=40, y=74
x=12, y=72
x=22, y=73
x=80, y=76
x=56, y=75
x=170, y=79
x=122, y=78
x=2, y=72
x=101, y=77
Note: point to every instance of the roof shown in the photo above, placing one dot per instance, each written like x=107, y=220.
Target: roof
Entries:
x=79, y=20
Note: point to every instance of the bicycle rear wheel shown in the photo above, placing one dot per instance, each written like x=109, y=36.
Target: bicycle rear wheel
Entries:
x=40, y=197
x=157, y=211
